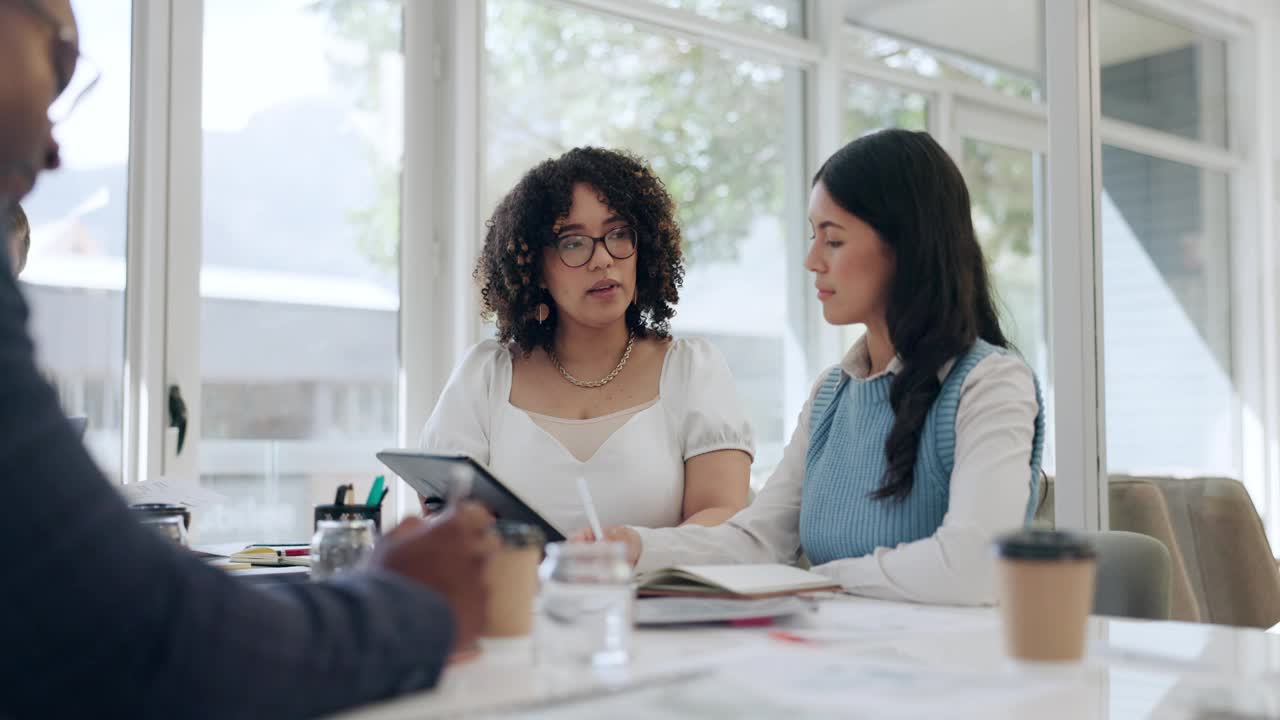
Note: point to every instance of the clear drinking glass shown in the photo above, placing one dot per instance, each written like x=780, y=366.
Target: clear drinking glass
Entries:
x=339, y=546
x=584, y=610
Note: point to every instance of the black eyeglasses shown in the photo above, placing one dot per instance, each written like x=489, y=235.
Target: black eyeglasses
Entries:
x=576, y=250
x=76, y=74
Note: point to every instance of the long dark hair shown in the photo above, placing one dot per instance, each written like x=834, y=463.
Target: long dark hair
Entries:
x=906, y=187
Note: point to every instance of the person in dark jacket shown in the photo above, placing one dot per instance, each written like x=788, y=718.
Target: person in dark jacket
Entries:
x=102, y=618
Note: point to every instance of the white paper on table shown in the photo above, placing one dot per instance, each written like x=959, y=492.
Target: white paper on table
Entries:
x=817, y=684
x=679, y=610
x=464, y=693
x=171, y=490
x=863, y=618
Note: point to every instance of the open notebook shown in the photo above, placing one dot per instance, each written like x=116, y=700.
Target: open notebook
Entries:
x=732, y=581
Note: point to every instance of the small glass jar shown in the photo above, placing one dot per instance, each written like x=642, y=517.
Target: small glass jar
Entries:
x=585, y=605
x=340, y=546
x=170, y=526
x=168, y=519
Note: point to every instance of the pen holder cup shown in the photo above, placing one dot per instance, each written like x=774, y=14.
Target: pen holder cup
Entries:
x=350, y=512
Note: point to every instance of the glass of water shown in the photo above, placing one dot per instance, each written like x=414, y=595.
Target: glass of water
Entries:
x=585, y=604
x=339, y=546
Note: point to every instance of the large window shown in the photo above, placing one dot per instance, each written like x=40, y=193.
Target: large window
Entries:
x=1180, y=390
x=871, y=106
x=1006, y=191
x=1163, y=76
x=299, y=283
x=75, y=276
x=786, y=16
x=1172, y=402
x=994, y=44
x=294, y=297
x=1172, y=407
x=724, y=133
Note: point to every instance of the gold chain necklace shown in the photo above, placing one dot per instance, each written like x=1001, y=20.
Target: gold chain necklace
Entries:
x=626, y=355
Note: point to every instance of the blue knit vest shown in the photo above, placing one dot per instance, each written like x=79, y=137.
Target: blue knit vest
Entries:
x=845, y=463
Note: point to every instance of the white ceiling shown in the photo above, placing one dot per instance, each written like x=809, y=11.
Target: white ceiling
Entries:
x=1006, y=33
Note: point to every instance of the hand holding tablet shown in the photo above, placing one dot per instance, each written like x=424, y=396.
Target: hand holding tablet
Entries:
x=457, y=476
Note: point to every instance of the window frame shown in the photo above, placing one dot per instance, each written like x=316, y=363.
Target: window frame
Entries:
x=805, y=323
x=444, y=158
x=964, y=110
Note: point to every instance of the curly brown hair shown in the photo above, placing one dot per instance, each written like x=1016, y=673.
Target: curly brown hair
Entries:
x=510, y=267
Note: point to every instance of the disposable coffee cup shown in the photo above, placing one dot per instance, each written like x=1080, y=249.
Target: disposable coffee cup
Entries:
x=512, y=576
x=1045, y=587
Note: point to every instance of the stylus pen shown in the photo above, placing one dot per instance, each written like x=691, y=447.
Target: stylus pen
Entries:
x=590, y=508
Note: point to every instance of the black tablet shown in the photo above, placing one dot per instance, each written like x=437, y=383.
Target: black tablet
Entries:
x=437, y=473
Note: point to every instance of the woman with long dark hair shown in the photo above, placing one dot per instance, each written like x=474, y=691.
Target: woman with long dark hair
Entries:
x=925, y=441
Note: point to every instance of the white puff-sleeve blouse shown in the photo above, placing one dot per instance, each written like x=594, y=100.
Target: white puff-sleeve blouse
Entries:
x=636, y=476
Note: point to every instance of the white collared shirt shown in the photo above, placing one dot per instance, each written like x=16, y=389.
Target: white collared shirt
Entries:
x=995, y=428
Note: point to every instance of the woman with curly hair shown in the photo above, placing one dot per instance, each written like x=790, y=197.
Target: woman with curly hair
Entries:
x=925, y=441
x=581, y=269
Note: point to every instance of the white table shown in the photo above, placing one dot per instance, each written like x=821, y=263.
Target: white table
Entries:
x=874, y=659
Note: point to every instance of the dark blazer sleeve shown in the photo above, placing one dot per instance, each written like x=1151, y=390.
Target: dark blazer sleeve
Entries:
x=100, y=617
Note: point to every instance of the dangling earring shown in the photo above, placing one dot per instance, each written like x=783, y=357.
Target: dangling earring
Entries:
x=544, y=312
